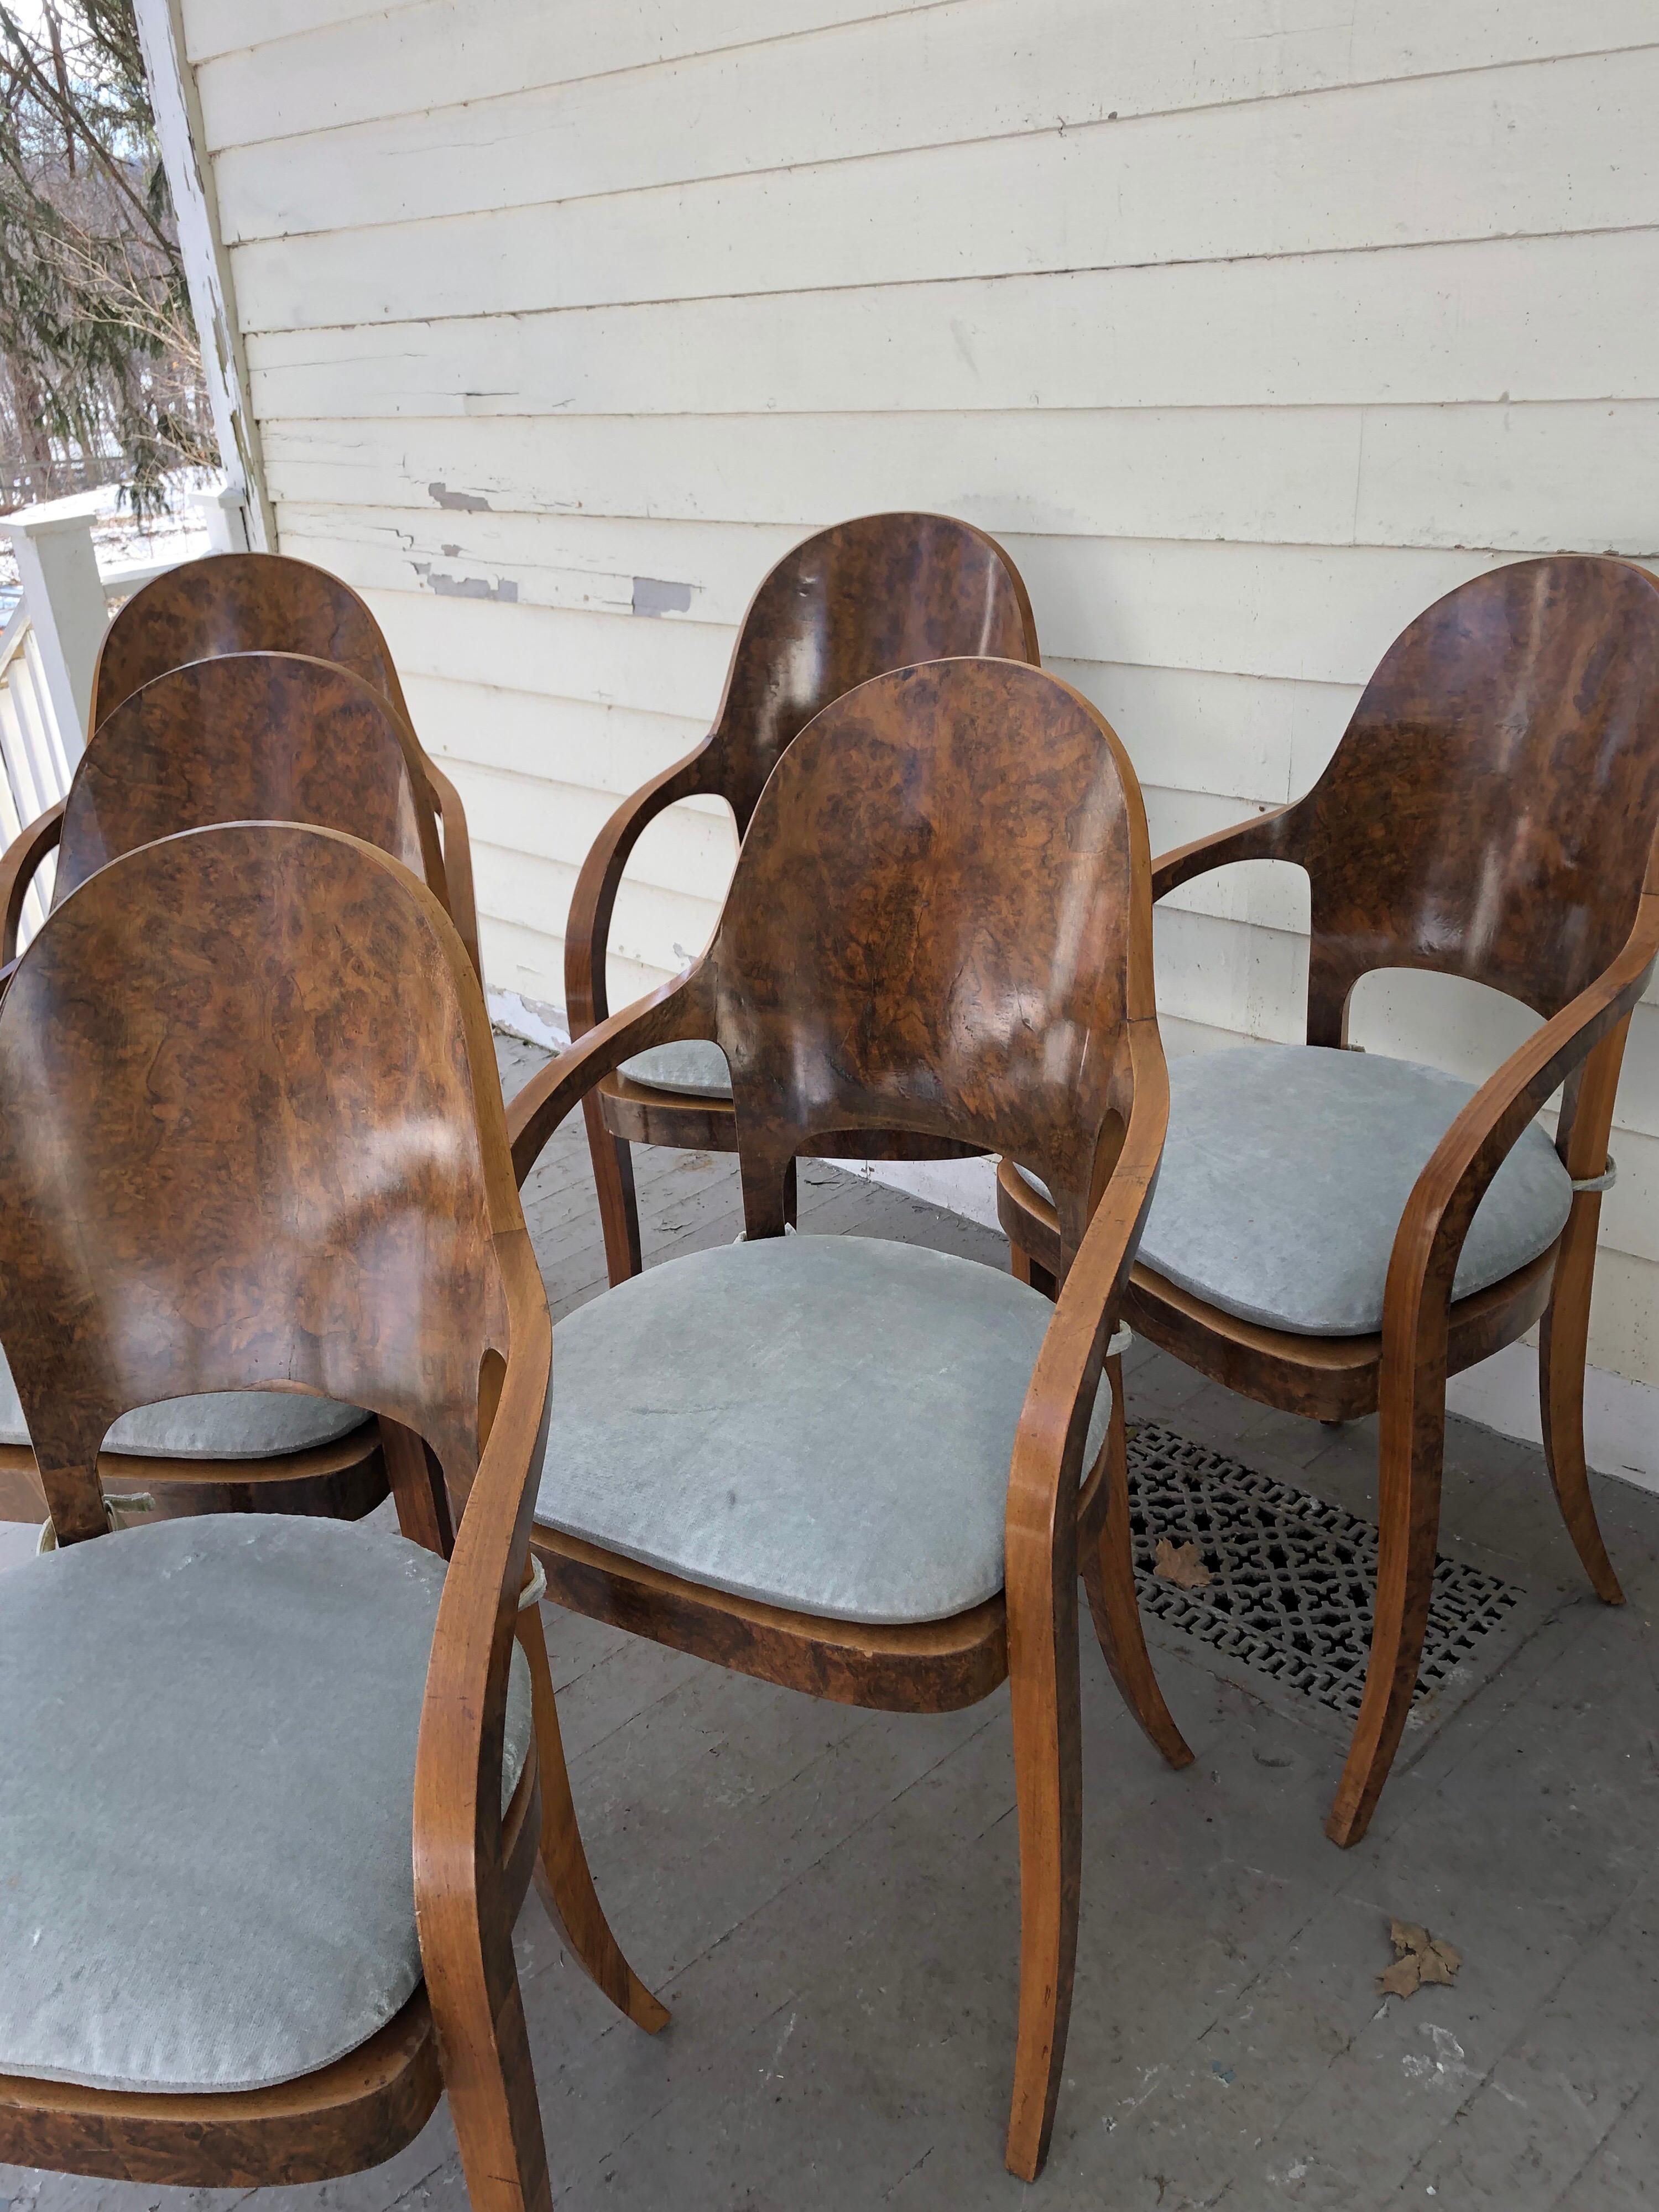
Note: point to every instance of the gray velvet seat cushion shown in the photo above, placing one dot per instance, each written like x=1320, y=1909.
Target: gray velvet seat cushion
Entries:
x=823, y=1423
x=695, y=1065
x=1287, y=1168
x=207, y=1771
x=224, y=1425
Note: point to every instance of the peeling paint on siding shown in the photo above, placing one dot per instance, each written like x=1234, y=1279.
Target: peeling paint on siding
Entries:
x=470, y=503
x=653, y=597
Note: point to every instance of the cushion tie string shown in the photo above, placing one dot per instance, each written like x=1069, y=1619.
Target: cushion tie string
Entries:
x=536, y=1588
x=1605, y=1180
x=118, y=1512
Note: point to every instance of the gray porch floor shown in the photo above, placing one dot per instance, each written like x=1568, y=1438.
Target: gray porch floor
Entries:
x=827, y=1898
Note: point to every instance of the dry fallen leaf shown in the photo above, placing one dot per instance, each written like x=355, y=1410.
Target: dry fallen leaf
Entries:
x=1418, y=1958
x=1182, y=1564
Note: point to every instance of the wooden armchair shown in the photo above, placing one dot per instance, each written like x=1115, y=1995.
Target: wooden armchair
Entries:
x=254, y=737
x=877, y=593
x=862, y=1469
x=1335, y=1231
x=267, y=603
x=256, y=1060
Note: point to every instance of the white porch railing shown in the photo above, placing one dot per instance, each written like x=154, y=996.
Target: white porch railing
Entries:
x=37, y=762
x=49, y=650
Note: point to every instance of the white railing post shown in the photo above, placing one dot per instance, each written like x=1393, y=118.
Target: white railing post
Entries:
x=59, y=571
x=223, y=507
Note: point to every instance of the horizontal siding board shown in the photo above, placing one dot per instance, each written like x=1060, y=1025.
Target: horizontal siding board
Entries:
x=1490, y=153
x=611, y=749
x=658, y=667
x=1519, y=479
x=589, y=563
x=1482, y=320
x=681, y=852
x=1286, y=612
x=447, y=50
x=649, y=922
x=920, y=77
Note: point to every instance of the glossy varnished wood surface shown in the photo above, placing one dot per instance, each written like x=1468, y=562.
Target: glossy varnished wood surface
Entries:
x=249, y=737
x=257, y=1056
x=231, y=603
x=857, y=600
x=938, y=927
x=239, y=603
x=1492, y=813
x=205, y=1165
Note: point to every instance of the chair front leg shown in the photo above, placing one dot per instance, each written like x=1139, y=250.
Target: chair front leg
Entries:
x=485, y=2050
x=1043, y=1667
x=1413, y=1437
x=562, y=1875
x=613, y=1178
x=1106, y=1542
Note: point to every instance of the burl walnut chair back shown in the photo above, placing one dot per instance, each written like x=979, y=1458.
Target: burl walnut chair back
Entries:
x=270, y=603
x=257, y=1059
x=938, y=926
x=880, y=592
x=255, y=737
x=251, y=736
x=1489, y=813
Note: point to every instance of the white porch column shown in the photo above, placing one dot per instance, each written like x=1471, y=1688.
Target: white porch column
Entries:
x=59, y=571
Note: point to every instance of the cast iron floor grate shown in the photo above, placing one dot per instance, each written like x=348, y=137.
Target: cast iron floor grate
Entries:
x=1293, y=1576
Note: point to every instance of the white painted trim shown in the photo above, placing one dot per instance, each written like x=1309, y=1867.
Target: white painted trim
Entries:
x=528, y=1018
x=207, y=265
x=1621, y=1418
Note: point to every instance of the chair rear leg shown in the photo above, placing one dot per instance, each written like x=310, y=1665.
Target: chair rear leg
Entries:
x=1106, y=1547
x=1563, y=1347
x=613, y=1178
x=564, y=1878
x=1412, y=1450
x=1048, y=1777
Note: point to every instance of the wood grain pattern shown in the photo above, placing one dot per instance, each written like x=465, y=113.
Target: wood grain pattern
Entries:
x=251, y=736
x=1492, y=812
x=939, y=926
x=234, y=602
x=239, y=603
x=257, y=1057
x=881, y=592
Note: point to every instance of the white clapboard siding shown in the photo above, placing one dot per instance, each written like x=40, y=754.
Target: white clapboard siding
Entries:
x=882, y=84
x=1303, y=330
x=434, y=54
x=1250, y=328
x=1524, y=479
x=1469, y=154
x=1286, y=611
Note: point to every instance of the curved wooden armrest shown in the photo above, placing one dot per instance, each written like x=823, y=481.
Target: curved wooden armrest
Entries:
x=1054, y=1422
x=587, y=930
x=458, y=863
x=1261, y=838
x=679, y=1008
x=1424, y=1260
x=18, y=867
x=457, y=1759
